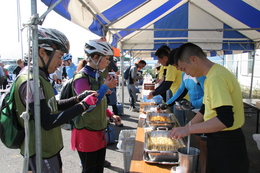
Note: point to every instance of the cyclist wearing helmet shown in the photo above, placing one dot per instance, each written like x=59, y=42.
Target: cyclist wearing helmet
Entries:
x=88, y=138
x=52, y=44
x=69, y=65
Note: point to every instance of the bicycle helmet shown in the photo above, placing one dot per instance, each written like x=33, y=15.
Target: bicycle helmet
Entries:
x=66, y=57
x=52, y=39
x=115, y=59
x=101, y=48
x=95, y=47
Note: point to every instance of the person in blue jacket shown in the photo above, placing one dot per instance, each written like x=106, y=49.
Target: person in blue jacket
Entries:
x=194, y=87
x=191, y=85
x=69, y=65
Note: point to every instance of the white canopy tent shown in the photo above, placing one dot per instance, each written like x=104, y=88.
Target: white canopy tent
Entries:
x=140, y=27
x=218, y=26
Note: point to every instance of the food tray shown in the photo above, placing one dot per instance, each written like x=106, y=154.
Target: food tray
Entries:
x=143, y=104
x=160, y=148
x=150, y=108
x=172, y=162
x=155, y=120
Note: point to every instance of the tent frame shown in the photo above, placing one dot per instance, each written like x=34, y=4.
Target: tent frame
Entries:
x=33, y=23
x=105, y=29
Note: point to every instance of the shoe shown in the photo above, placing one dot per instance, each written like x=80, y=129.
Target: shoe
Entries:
x=80, y=165
x=107, y=164
x=134, y=109
x=119, y=125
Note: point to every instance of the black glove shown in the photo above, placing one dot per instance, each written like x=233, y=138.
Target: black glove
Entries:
x=185, y=104
x=162, y=106
x=84, y=94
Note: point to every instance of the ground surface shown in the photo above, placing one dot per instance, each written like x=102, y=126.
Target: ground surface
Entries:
x=11, y=161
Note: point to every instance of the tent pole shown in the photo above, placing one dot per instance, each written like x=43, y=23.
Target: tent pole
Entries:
x=252, y=76
x=37, y=120
x=122, y=75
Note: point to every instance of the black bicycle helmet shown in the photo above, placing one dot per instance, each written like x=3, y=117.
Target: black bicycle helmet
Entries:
x=52, y=39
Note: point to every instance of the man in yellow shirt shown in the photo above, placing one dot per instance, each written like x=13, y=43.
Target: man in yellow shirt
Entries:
x=173, y=76
x=222, y=114
x=171, y=83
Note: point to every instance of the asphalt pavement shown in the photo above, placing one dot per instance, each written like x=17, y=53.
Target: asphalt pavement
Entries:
x=12, y=162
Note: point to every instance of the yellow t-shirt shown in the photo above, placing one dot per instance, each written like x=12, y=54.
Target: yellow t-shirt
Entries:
x=221, y=88
x=161, y=71
x=173, y=75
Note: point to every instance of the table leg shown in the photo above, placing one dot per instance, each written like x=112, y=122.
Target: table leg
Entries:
x=257, y=120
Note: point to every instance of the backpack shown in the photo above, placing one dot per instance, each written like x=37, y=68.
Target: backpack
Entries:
x=127, y=73
x=67, y=89
x=67, y=92
x=1, y=76
x=11, y=132
x=110, y=135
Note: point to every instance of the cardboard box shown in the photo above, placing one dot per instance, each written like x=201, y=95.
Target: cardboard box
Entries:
x=149, y=86
x=257, y=103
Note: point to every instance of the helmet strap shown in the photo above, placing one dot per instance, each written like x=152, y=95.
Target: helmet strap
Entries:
x=96, y=64
x=49, y=60
x=45, y=66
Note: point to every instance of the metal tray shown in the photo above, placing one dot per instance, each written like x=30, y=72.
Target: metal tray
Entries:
x=155, y=120
x=168, y=152
x=152, y=108
x=171, y=162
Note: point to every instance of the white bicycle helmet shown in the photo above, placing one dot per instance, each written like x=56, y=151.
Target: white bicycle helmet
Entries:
x=66, y=57
x=52, y=39
x=100, y=48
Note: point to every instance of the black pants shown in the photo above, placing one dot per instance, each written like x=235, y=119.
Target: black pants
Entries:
x=53, y=164
x=115, y=109
x=132, y=93
x=5, y=84
x=227, y=152
x=93, y=162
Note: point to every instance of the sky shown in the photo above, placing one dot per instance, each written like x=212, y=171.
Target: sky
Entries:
x=11, y=47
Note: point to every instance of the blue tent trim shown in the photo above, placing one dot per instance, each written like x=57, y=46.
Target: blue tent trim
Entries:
x=239, y=14
x=175, y=16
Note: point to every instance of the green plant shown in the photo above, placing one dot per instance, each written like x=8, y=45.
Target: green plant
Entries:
x=150, y=71
x=246, y=92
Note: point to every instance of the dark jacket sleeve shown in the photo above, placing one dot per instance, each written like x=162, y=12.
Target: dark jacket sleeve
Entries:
x=165, y=85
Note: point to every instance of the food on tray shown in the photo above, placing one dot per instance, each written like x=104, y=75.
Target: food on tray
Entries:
x=160, y=119
x=163, y=144
x=151, y=109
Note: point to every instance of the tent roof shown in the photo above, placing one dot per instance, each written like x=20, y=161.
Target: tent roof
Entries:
x=218, y=26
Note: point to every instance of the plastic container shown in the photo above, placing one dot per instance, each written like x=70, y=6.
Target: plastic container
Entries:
x=126, y=141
